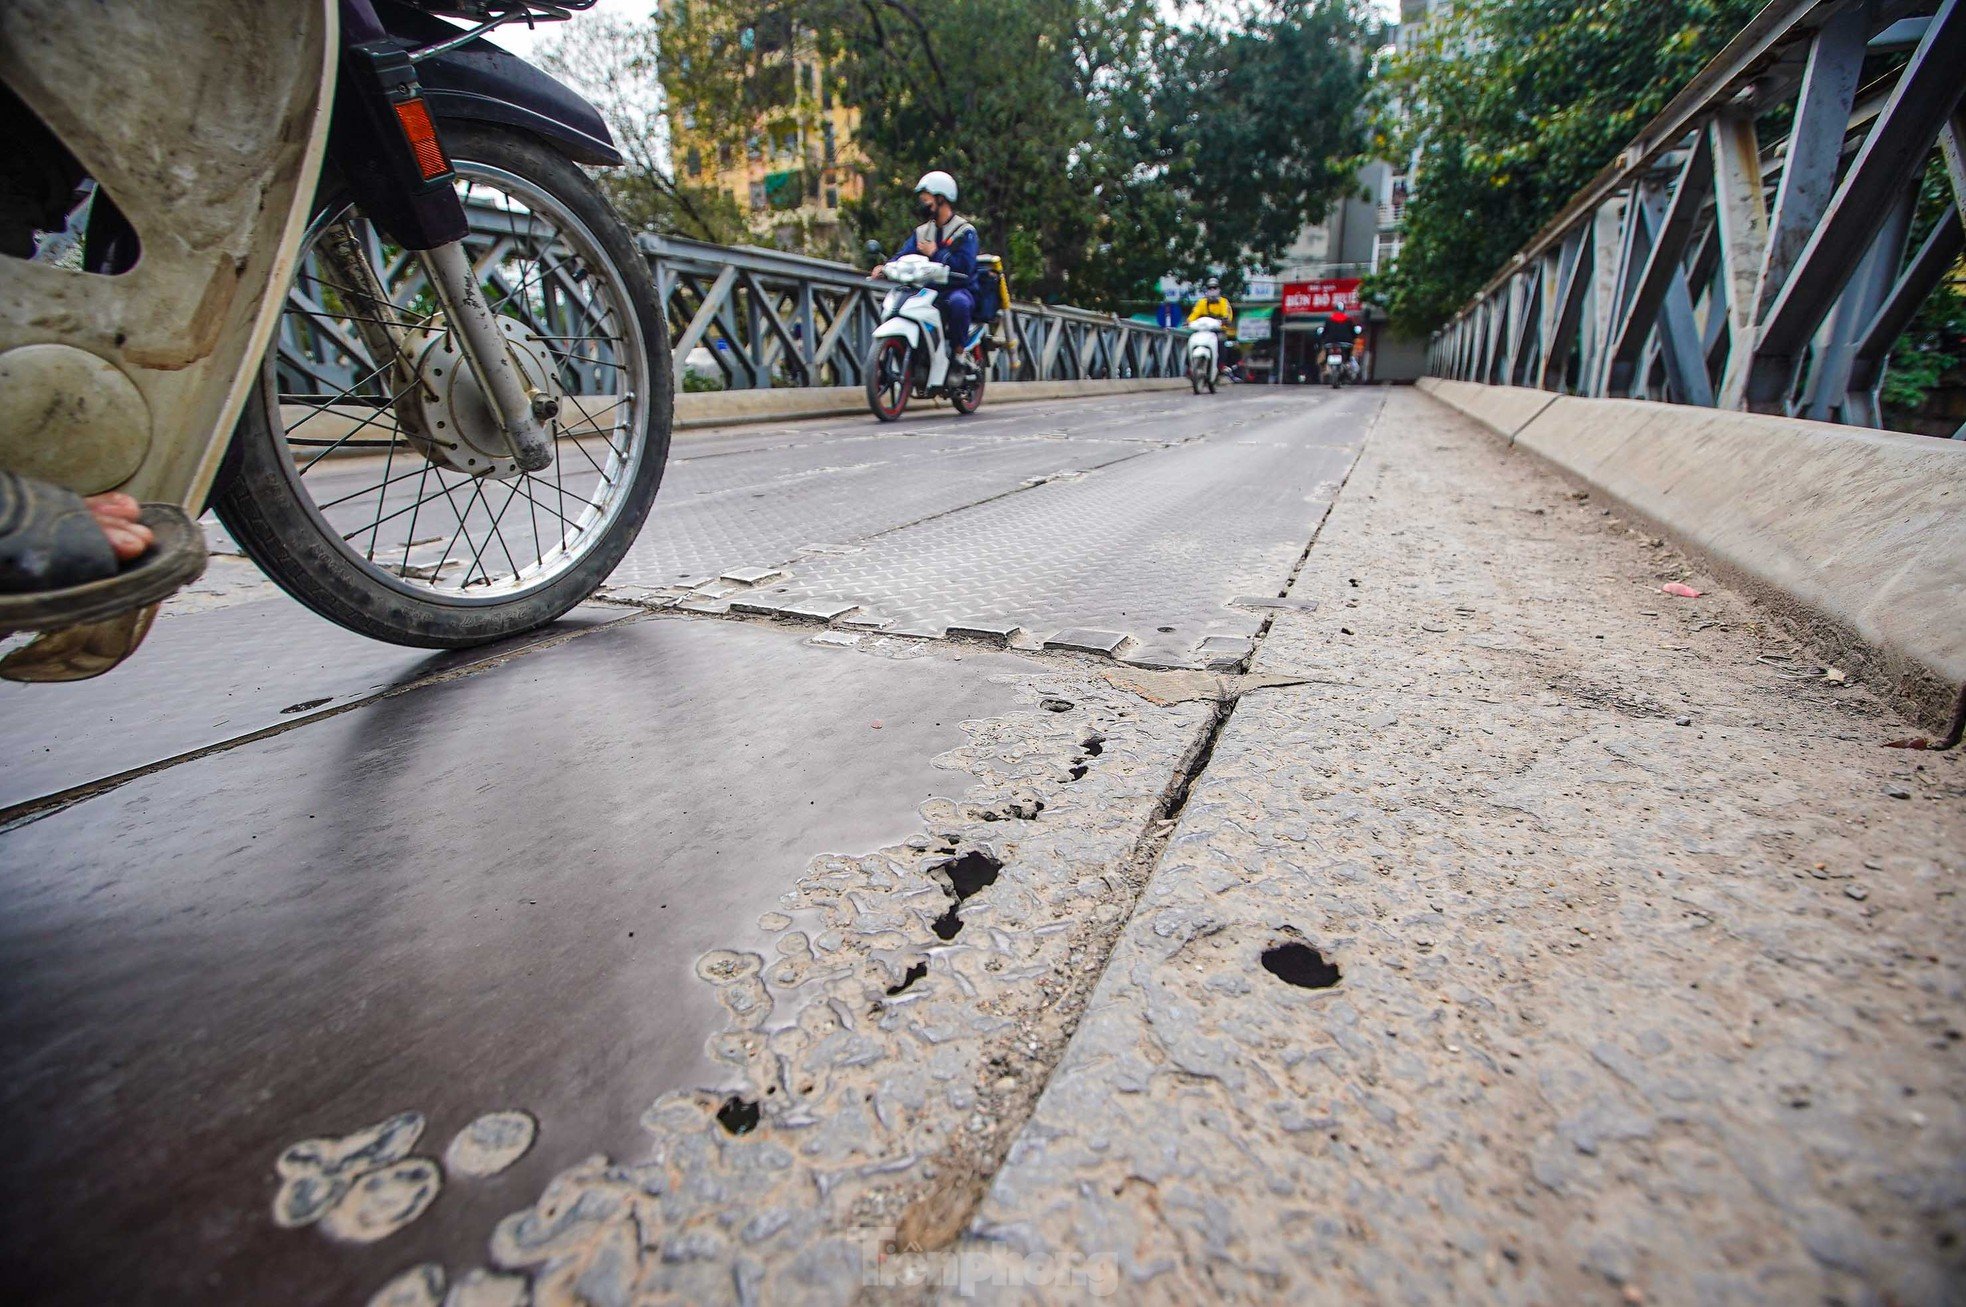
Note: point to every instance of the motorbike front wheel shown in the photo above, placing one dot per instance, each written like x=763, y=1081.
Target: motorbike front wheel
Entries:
x=888, y=378
x=385, y=502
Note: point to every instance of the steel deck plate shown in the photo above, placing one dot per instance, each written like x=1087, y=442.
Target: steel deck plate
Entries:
x=203, y=678
x=312, y=932
x=1156, y=548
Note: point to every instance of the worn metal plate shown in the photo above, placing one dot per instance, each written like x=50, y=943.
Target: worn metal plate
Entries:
x=1155, y=548
x=487, y=893
x=762, y=507
x=203, y=678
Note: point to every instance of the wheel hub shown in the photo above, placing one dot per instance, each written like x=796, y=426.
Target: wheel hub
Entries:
x=464, y=432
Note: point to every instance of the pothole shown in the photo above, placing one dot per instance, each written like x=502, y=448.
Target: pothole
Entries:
x=1300, y=965
x=738, y=1115
x=909, y=977
x=1054, y=704
x=1093, y=747
x=971, y=872
x=968, y=874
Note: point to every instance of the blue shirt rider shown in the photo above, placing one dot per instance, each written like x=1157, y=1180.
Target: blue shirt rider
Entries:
x=947, y=238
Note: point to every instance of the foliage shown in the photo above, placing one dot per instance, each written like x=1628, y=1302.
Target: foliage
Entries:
x=1098, y=144
x=1224, y=143
x=1507, y=108
x=1935, y=341
x=613, y=62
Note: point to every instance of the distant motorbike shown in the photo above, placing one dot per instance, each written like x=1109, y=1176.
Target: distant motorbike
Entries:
x=358, y=295
x=1205, y=354
x=1339, y=366
x=912, y=355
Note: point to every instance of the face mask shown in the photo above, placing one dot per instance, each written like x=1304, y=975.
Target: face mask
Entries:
x=927, y=209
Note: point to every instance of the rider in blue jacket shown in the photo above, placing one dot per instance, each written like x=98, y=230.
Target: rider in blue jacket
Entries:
x=947, y=238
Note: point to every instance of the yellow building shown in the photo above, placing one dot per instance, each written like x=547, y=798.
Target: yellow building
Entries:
x=796, y=164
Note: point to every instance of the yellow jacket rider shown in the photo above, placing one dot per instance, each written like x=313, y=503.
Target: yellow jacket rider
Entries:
x=1214, y=304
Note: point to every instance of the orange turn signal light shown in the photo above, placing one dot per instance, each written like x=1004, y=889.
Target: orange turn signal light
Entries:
x=421, y=133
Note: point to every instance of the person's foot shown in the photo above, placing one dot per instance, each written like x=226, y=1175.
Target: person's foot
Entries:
x=52, y=539
x=116, y=513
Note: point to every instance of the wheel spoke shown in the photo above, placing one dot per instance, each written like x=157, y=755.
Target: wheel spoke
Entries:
x=539, y=268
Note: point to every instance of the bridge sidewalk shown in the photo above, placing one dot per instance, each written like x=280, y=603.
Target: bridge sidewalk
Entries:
x=1648, y=947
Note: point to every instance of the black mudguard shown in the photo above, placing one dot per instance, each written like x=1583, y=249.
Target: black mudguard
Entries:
x=478, y=82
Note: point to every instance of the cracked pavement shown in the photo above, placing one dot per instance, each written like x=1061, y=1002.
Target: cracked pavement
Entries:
x=752, y=922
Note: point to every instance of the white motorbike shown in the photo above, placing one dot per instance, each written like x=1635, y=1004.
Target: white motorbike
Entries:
x=1205, y=354
x=912, y=355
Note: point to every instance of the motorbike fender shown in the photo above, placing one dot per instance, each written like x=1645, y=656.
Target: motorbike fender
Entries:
x=901, y=327
x=478, y=82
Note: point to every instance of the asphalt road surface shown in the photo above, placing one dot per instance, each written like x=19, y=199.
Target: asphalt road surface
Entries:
x=271, y=882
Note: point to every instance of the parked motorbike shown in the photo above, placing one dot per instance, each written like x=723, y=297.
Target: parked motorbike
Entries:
x=342, y=277
x=1204, y=354
x=912, y=355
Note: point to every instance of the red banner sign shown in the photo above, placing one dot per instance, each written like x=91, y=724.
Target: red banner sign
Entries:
x=1321, y=296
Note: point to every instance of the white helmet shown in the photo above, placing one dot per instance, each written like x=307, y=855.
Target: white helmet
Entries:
x=937, y=183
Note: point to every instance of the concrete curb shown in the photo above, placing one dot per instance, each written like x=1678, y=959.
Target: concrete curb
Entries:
x=1857, y=536
x=731, y=407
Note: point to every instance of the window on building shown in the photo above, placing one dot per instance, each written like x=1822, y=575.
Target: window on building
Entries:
x=832, y=197
x=694, y=162
x=773, y=32
x=825, y=88
x=829, y=145
x=757, y=195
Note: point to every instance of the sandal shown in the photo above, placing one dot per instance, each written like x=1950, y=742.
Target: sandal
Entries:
x=57, y=568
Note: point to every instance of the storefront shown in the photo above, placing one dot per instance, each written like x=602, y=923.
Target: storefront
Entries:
x=1256, y=335
x=1306, y=306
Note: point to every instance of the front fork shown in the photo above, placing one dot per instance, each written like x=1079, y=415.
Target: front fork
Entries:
x=396, y=163
x=522, y=412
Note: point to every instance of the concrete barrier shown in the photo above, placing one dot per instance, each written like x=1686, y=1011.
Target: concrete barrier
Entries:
x=716, y=408
x=1857, y=536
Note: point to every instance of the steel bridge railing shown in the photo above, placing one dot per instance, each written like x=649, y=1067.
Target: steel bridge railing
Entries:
x=769, y=318
x=1711, y=266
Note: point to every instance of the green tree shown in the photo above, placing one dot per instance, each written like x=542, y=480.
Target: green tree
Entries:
x=1225, y=142
x=613, y=63
x=1507, y=107
x=1933, y=345
x=1098, y=145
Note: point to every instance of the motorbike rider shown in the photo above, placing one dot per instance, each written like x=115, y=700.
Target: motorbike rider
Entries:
x=1339, y=329
x=1214, y=304
x=948, y=238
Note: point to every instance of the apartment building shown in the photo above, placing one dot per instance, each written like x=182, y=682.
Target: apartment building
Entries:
x=795, y=164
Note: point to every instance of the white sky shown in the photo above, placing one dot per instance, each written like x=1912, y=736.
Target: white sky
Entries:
x=516, y=38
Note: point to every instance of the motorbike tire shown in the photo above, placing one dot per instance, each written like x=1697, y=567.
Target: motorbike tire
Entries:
x=967, y=399
x=263, y=510
x=1194, y=380
x=888, y=347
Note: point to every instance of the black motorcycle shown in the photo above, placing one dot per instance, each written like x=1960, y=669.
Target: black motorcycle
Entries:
x=455, y=425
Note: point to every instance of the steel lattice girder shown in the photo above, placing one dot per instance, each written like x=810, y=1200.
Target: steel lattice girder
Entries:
x=788, y=319
x=1707, y=268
